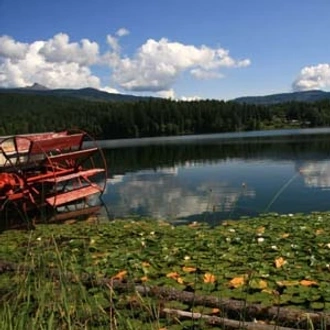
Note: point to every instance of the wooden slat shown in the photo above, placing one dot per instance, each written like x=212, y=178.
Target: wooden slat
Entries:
x=67, y=177
x=72, y=155
x=72, y=195
x=23, y=141
x=57, y=143
x=44, y=136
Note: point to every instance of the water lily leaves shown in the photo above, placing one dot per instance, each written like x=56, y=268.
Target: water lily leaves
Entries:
x=287, y=283
x=280, y=262
x=237, y=282
x=260, y=230
x=145, y=264
x=317, y=305
x=144, y=278
x=188, y=269
x=175, y=276
x=298, y=299
x=308, y=283
x=120, y=276
x=256, y=283
x=210, y=260
x=209, y=278
x=100, y=255
x=260, y=297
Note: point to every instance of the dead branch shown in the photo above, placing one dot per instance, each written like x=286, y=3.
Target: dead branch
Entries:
x=277, y=314
x=229, y=324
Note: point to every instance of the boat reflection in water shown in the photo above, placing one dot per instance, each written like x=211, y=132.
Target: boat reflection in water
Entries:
x=13, y=217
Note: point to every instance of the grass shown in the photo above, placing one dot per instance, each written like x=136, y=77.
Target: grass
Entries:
x=75, y=276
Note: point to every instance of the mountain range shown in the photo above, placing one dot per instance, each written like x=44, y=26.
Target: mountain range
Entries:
x=305, y=96
x=87, y=94
x=91, y=94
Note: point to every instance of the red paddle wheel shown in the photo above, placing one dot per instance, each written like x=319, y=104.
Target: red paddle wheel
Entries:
x=49, y=176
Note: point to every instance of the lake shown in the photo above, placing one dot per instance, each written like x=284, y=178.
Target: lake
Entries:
x=214, y=177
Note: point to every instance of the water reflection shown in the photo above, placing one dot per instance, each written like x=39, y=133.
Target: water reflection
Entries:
x=316, y=174
x=217, y=179
x=170, y=193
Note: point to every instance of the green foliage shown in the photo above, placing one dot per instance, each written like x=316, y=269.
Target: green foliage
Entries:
x=273, y=260
x=24, y=113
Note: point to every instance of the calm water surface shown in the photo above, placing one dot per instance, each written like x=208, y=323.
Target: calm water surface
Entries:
x=214, y=177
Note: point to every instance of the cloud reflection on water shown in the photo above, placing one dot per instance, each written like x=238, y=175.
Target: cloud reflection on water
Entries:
x=169, y=194
x=316, y=174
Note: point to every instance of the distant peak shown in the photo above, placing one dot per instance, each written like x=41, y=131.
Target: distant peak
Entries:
x=37, y=87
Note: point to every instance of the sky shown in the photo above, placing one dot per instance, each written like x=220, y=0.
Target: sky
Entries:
x=180, y=49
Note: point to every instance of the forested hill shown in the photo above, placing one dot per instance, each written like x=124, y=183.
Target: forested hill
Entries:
x=306, y=96
x=92, y=94
x=26, y=113
x=86, y=94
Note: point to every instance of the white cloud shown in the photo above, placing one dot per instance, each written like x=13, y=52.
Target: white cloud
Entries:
x=158, y=64
x=122, y=32
x=190, y=98
x=11, y=48
x=113, y=43
x=166, y=94
x=205, y=75
x=59, y=49
x=55, y=63
x=313, y=77
x=109, y=90
x=154, y=67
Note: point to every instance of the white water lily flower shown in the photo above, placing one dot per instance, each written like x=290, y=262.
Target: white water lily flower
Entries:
x=152, y=233
x=186, y=258
x=290, y=215
x=274, y=247
x=260, y=239
x=232, y=230
x=39, y=239
x=228, y=239
x=328, y=245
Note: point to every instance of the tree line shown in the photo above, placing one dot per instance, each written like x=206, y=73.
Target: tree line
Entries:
x=21, y=114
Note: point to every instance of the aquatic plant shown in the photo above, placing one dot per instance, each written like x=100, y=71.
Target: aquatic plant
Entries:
x=95, y=276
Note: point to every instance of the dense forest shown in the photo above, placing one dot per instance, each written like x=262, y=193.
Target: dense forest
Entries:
x=152, y=117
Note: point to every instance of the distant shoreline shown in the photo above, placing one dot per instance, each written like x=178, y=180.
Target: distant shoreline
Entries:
x=119, y=143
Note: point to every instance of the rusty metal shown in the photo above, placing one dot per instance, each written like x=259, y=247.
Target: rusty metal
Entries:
x=44, y=175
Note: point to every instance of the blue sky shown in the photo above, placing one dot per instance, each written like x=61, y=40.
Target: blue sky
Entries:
x=182, y=49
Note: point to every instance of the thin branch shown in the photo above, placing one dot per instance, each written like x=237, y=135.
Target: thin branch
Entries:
x=231, y=324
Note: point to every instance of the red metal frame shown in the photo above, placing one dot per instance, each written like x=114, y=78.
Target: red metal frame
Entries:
x=49, y=170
